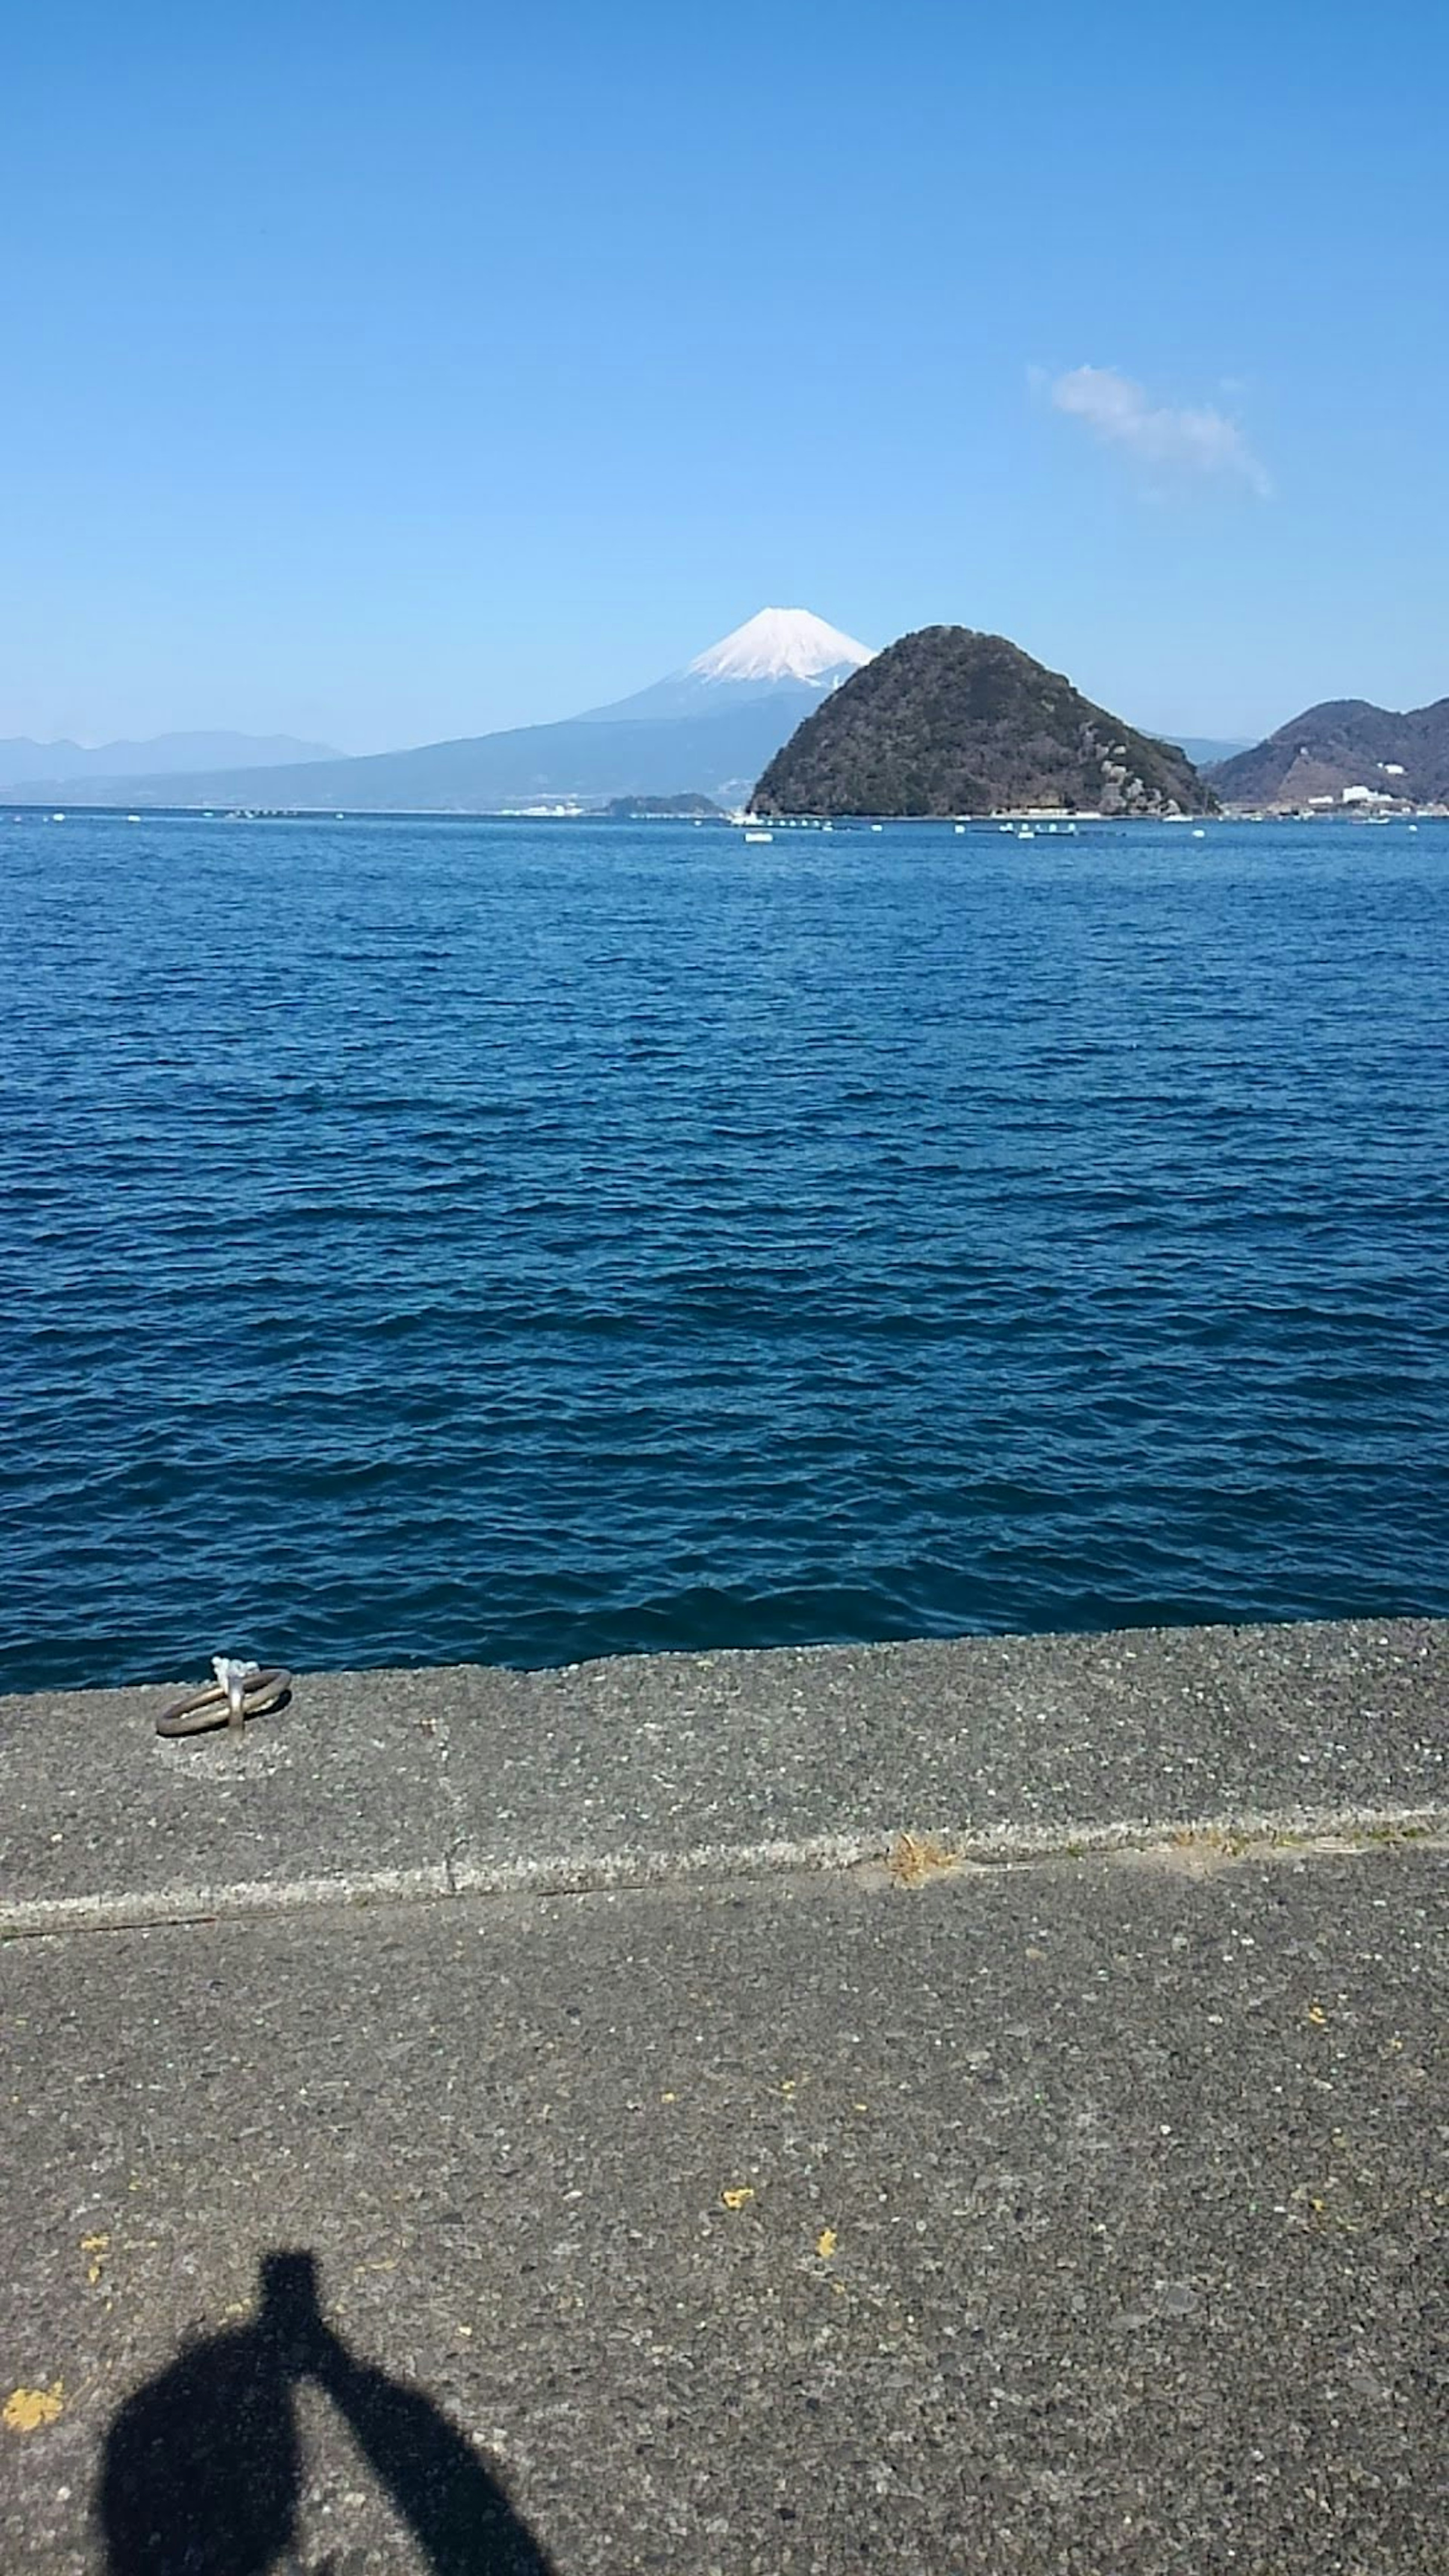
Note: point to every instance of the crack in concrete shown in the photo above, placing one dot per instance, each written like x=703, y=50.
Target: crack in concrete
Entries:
x=1212, y=1841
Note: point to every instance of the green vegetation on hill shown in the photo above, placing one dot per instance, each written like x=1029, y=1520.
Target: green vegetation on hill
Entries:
x=949, y=721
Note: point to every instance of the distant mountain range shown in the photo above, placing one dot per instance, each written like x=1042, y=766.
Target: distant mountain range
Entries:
x=1344, y=743
x=707, y=729
x=947, y=721
x=710, y=729
x=51, y=766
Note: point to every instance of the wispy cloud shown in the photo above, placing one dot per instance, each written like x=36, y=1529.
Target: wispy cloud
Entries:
x=1172, y=439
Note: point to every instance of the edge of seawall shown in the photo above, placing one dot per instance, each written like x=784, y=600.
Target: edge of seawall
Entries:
x=396, y=1786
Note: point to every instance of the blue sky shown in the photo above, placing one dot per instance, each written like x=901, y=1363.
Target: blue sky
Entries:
x=383, y=374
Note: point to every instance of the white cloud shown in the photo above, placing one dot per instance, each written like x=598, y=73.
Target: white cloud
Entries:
x=1182, y=440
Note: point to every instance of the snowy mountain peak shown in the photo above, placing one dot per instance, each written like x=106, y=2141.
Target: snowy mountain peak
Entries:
x=781, y=644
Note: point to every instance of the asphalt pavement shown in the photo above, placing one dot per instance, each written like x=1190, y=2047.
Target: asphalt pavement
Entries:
x=969, y=2109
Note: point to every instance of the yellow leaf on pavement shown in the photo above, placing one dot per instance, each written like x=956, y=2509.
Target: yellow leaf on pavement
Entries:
x=29, y=2408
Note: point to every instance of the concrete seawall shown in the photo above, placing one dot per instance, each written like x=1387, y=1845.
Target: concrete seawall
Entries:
x=957, y=2106
x=469, y=1778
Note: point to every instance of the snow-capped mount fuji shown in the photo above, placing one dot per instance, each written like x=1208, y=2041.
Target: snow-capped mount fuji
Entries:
x=784, y=653
x=708, y=729
x=782, y=644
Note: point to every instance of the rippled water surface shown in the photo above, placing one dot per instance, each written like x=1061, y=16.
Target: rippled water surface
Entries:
x=439, y=1240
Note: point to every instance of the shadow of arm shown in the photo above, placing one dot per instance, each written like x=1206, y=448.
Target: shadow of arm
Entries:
x=453, y=2504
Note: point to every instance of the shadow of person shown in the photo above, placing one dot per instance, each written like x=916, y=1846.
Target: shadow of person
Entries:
x=203, y=2465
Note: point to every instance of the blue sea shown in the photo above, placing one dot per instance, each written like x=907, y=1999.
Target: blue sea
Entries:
x=525, y=1241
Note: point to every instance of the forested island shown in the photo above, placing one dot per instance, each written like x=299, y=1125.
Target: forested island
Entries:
x=949, y=721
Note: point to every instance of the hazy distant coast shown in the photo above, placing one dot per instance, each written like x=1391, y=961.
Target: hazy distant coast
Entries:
x=719, y=728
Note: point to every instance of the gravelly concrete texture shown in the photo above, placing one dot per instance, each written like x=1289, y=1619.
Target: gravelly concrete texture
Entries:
x=1070, y=2217
x=446, y=1779
x=93, y=1802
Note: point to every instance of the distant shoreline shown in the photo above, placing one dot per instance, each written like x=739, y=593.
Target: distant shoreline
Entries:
x=20, y=809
